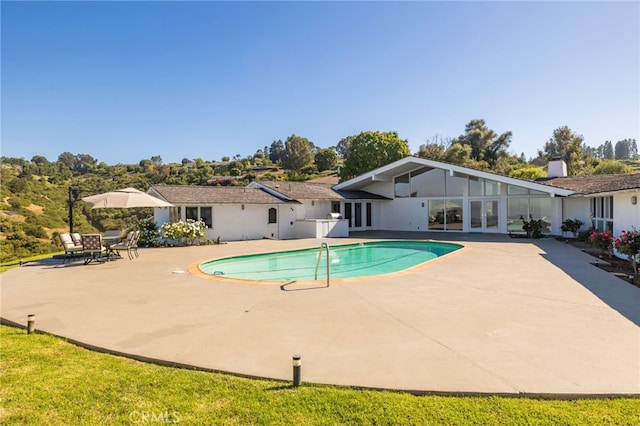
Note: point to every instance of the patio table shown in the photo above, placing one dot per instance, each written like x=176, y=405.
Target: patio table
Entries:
x=108, y=242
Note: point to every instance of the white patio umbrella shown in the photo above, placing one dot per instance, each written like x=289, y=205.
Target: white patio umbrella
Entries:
x=124, y=199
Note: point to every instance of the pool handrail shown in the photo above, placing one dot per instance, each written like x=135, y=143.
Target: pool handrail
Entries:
x=326, y=247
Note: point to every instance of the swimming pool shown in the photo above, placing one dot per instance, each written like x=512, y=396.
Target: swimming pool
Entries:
x=346, y=261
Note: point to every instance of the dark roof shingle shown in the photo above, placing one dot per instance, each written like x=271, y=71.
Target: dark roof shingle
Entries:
x=594, y=184
x=187, y=194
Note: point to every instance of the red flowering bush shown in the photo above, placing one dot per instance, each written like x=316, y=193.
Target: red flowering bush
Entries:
x=601, y=240
x=629, y=243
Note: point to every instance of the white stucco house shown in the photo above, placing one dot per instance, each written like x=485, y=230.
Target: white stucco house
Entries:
x=278, y=210
x=411, y=194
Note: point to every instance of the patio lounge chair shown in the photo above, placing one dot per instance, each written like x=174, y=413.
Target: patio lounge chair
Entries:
x=92, y=247
x=130, y=244
x=70, y=247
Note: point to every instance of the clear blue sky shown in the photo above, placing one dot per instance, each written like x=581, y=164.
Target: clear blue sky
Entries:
x=124, y=81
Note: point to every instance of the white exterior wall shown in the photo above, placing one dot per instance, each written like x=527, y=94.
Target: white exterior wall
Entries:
x=404, y=214
x=625, y=214
x=315, y=209
x=576, y=208
x=556, y=215
x=232, y=223
x=287, y=216
x=161, y=216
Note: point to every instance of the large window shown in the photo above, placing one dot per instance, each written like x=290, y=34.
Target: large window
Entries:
x=483, y=187
x=445, y=215
x=401, y=186
x=197, y=213
x=206, y=216
x=602, y=213
x=426, y=182
x=175, y=214
x=528, y=208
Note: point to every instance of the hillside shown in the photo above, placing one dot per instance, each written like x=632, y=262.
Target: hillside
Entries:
x=35, y=197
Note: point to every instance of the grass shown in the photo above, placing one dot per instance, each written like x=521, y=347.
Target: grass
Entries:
x=5, y=266
x=46, y=380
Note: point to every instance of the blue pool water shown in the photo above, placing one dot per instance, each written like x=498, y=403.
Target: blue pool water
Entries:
x=346, y=261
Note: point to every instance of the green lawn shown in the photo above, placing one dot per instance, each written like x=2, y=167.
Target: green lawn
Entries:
x=46, y=380
x=14, y=263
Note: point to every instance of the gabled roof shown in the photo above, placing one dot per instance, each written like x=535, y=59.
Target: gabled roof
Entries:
x=297, y=190
x=311, y=190
x=207, y=195
x=388, y=172
x=595, y=184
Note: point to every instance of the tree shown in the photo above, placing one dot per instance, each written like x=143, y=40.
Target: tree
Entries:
x=431, y=151
x=486, y=145
x=157, y=160
x=344, y=147
x=634, y=149
x=607, y=150
x=435, y=148
x=611, y=167
x=625, y=149
x=276, y=152
x=370, y=150
x=67, y=158
x=458, y=153
x=297, y=153
x=326, y=159
x=39, y=159
x=531, y=172
x=566, y=145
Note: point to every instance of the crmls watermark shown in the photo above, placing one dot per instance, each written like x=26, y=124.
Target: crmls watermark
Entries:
x=154, y=417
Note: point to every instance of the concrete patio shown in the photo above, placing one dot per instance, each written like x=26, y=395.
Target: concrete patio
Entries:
x=505, y=316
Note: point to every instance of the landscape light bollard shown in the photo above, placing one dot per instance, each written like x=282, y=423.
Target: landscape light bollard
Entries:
x=297, y=364
x=31, y=323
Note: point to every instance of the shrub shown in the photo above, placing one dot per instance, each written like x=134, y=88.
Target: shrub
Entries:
x=190, y=232
x=572, y=225
x=601, y=240
x=148, y=232
x=533, y=227
x=628, y=243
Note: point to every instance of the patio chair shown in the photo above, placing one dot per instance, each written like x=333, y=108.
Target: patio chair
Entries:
x=134, y=243
x=130, y=244
x=92, y=247
x=70, y=248
x=77, y=238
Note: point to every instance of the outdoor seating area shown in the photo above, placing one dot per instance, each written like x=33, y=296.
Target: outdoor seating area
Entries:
x=97, y=247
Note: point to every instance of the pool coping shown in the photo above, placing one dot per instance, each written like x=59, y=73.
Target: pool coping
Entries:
x=194, y=269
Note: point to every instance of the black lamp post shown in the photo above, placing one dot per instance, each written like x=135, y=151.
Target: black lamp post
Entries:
x=73, y=197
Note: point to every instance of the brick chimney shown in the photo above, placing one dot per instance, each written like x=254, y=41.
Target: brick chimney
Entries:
x=556, y=168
